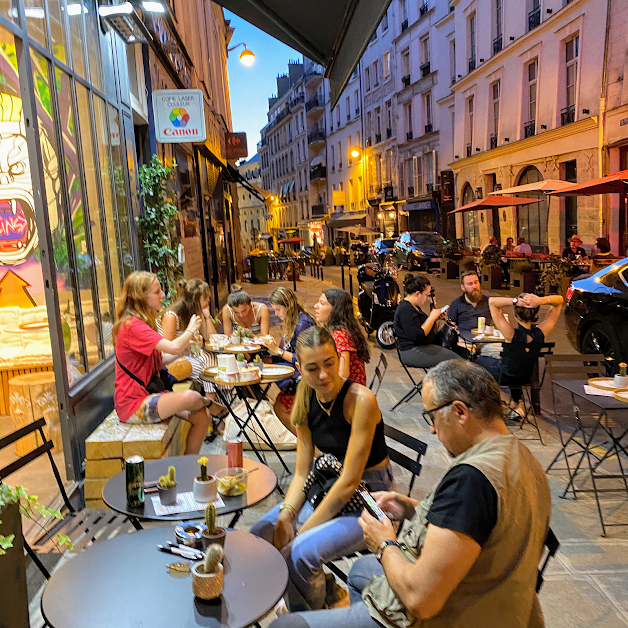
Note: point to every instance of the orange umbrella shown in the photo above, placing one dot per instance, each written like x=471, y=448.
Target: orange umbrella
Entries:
x=495, y=201
x=612, y=183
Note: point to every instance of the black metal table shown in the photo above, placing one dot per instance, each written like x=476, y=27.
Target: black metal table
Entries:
x=260, y=485
x=612, y=419
x=124, y=583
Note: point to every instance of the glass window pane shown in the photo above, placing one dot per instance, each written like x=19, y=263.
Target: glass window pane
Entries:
x=99, y=243
x=76, y=11
x=104, y=153
x=8, y=8
x=93, y=43
x=57, y=31
x=119, y=165
x=36, y=21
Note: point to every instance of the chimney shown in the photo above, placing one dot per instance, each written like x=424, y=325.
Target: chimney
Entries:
x=295, y=71
x=272, y=101
x=283, y=85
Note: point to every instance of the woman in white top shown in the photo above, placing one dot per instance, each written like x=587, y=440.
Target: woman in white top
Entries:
x=242, y=312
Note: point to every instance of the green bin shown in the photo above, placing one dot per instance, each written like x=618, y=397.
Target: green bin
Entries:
x=259, y=268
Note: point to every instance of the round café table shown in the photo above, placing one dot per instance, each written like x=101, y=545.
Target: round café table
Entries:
x=260, y=485
x=124, y=582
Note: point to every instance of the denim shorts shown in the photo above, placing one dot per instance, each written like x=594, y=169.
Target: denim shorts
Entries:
x=147, y=412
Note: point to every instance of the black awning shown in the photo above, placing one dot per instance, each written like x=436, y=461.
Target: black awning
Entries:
x=347, y=220
x=333, y=33
x=420, y=205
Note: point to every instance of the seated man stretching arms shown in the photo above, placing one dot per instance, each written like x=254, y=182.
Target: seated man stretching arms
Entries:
x=469, y=554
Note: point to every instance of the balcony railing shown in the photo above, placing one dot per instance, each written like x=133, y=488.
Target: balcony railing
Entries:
x=313, y=102
x=297, y=101
x=318, y=135
x=409, y=136
x=493, y=141
x=378, y=138
x=388, y=133
x=318, y=210
x=318, y=172
x=529, y=128
x=404, y=25
x=471, y=64
x=405, y=80
x=428, y=128
x=497, y=44
x=310, y=74
x=411, y=191
x=534, y=18
x=425, y=68
x=369, y=142
x=568, y=115
x=468, y=150
x=424, y=9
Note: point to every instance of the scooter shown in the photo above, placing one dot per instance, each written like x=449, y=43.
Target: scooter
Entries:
x=378, y=298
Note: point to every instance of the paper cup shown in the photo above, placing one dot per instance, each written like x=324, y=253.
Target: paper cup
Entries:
x=481, y=323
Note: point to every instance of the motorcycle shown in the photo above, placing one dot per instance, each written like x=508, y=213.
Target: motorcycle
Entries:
x=361, y=253
x=378, y=297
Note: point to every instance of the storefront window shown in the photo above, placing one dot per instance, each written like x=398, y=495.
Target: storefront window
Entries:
x=93, y=48
x=8, y=9
x=58, y=32
x=532, y=219
x=470, y=220
x=76, y=12
x=36, y=21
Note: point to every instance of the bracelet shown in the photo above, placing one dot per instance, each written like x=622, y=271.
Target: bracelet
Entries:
x=293, y=512
x=189, y=332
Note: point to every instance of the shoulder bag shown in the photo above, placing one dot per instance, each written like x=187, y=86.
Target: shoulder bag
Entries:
x=159, y=382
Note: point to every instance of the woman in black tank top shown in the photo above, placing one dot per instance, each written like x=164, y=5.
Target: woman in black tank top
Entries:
x=342, y=418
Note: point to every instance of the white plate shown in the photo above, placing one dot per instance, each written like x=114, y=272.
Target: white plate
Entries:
x=242, y=348
x=211, y=371
x=275, y=370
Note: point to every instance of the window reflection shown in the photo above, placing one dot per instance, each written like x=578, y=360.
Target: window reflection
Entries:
x=58, y=31
x=76, y=11
x=36, y=21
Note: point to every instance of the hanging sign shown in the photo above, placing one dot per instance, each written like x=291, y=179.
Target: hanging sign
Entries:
x=179, y=115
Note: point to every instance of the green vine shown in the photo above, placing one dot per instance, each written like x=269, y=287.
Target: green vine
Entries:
x=490, y=259
x=554, y=271
x=157, y=225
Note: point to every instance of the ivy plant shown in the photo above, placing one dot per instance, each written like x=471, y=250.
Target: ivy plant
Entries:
x=157, y=225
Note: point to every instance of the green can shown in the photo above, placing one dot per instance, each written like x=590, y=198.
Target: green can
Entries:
x=134, y=467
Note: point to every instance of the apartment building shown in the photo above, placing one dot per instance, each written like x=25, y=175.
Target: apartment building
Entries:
x=528, y=81
x=252, y=210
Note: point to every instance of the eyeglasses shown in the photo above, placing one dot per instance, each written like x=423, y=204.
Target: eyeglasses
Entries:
x=427, y=414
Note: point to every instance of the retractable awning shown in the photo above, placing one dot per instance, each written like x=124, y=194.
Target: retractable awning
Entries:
x=333, y=33
x=346, y=220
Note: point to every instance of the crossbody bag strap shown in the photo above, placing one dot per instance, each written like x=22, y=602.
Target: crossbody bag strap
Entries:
x=133, y=377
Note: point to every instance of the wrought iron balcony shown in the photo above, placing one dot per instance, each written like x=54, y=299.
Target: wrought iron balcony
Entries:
x=497, y=44
x=568, y=115
x=429, y=128
x=378, y=138
x=468, y=150
x=388, y=133
x=529, y=128
x=298, y=100
x=317, y=135
x=313, y=103
x=404, y=25
x=405, y=80
x=318, y=172
x=311, y=74
x=318, y=210
x=493, y=141
x=534, y=18
x=409, y=136
x=425, y=68
x=471, y=64
x=411, y=191
x=423, y=9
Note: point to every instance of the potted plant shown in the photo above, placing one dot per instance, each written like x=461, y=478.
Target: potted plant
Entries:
x=15, y=502
x=168, y=488
x=329, y=256
x=490, y=267
x=449, y=260
x=555, y=276
x=204, y=489
x=522, y=276
x=240, y=360
x=211, y=533
x=207, y=576
x=621, y=380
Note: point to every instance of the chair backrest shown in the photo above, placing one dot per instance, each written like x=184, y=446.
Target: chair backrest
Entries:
x=405, y=368
x=519, y=360
x=552, y=544
x=44, y=448
x=380, y=371
x=414, y=466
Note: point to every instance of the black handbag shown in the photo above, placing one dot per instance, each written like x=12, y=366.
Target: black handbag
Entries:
x=159, y=382
x=447, y=337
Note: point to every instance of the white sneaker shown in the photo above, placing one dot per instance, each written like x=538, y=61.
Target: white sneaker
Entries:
x=281, y=608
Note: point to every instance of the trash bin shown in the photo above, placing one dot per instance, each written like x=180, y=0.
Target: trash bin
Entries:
x=259, y=268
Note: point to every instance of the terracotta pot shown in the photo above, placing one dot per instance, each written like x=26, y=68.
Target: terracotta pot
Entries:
x=207, y=586
x=204, y=491
x=218, y=537
x=168, y=496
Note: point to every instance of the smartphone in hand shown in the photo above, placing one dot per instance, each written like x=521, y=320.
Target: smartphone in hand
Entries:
x=372, y=507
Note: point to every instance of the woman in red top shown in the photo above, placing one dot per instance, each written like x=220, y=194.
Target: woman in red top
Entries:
x=138, y=358
x=334, y=310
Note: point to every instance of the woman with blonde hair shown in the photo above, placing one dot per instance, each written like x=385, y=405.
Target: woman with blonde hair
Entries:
x=296, y=319
x=338, y=417
x=242, y=312
x=139, y=360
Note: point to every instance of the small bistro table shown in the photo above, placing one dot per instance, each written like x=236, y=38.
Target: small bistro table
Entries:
x=124, y=582
x=260, y=485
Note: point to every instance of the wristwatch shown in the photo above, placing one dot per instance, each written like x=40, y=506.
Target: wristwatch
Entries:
x=514, y=300
x=383, y=546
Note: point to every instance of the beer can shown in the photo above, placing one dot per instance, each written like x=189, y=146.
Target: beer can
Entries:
x=134, y=468
x=234, y=453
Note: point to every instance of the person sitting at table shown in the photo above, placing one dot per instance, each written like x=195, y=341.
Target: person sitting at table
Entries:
x=139, y=358
x=510, y=246
x=527, y=331
x=492, y=246
x=193, y=299
x=574, y=249
x=603, y=247
x=416, y=336
x=340, y=417
x=242, y=312
x=334, y=310
x=522, y=248
x=296, y=319
x=465, y=309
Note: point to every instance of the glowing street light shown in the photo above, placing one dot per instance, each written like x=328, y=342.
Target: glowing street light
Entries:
x=355, y=153
x=391, y=214
x=247, y=57
x=380, y=215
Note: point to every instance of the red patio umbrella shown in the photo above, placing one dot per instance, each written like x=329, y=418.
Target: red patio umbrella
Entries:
x=495, y=201
x=293, y=240
x=612, y=183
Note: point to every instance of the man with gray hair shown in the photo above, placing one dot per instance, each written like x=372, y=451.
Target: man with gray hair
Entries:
x=468, y=554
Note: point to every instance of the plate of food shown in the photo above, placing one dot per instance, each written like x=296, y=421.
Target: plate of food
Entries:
x=260, y=340
x=242, y=348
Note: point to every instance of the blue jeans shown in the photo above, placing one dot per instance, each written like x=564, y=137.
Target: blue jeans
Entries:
x=355, y=616
x=309, y=551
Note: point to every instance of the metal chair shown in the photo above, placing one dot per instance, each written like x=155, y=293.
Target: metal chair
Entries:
x=380, y=371
x=416, y=386
x=552, y=544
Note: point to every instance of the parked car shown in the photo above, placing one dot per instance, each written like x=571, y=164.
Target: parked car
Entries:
x=383, y=247
x=419, y=249
x=596, y=316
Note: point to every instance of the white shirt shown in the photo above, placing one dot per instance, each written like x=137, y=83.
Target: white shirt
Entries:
x=524, y=248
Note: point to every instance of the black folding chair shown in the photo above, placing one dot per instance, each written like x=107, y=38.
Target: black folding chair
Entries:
x=83, y=528
x=416, y=386
x=552, y=545
x=380, y=371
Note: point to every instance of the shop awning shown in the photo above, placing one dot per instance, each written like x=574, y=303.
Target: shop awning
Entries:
x=319, y=160
x=346, y=220
x=420, y=206
x=494, y=201
x=333, y=33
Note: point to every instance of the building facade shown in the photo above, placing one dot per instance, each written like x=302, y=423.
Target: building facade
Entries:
x=251, y=209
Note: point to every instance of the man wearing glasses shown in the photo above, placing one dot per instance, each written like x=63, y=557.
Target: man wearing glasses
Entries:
x=468, y=554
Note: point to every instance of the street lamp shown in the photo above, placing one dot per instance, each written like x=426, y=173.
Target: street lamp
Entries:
x=247, y=57
x=391, y=214
x=380, y=215
x=355, y=153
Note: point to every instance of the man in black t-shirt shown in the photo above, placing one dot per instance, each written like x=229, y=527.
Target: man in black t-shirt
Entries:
x=464, y=310
x=574, y=249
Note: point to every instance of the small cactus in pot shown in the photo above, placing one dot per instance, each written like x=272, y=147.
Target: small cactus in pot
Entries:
x=204, y=489
x=240, y=360
x=212, y=535
x=207, y=576
x=621, y=379
x=167, y=488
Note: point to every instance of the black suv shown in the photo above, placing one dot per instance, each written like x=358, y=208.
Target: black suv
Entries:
x=596, y=316
x=419, y=249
